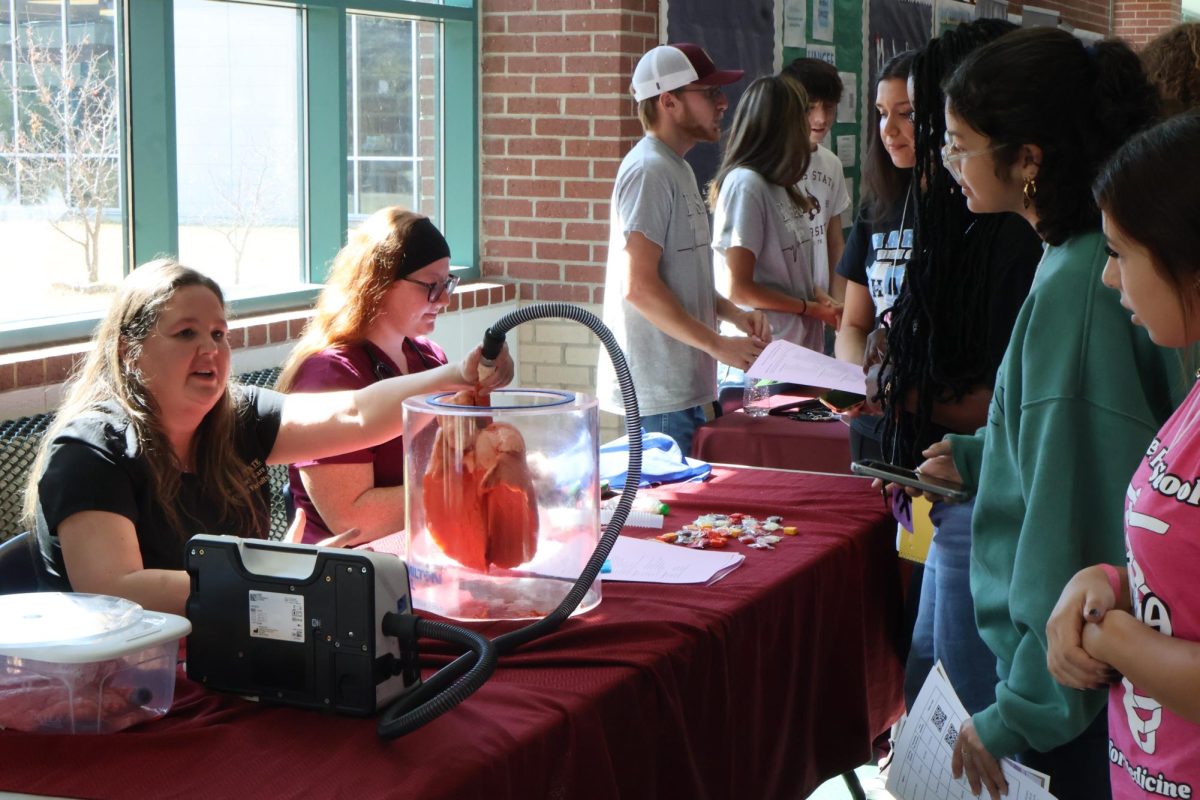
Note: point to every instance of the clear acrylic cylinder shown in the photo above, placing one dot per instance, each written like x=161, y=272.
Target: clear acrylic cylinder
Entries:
x=502, y=501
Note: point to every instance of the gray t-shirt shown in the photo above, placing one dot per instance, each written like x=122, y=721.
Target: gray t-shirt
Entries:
x=656, y=195
x=758, y=215
x=825, y=185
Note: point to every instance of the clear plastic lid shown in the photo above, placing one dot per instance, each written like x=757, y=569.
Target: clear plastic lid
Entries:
x=62, y=626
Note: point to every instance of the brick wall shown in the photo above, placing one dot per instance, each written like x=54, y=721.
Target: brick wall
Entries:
x=1135, y=21
x=1091, y=15
x=31, y=382
x=557, y=118
x=1139, y=21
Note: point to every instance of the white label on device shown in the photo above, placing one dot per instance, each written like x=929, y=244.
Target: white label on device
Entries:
x=274, y=615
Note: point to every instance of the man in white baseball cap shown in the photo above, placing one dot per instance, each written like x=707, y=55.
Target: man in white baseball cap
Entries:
x=659, y=296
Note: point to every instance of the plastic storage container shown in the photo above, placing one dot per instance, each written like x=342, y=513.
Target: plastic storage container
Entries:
x=84, y=663
x=502, y=502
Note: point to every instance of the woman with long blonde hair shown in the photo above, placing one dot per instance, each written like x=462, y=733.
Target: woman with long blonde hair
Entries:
x=761, y=231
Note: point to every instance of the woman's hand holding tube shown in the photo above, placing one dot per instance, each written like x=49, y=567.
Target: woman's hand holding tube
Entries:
x=484, y=376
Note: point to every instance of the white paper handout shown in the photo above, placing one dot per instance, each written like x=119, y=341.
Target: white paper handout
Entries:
x=649, y=561
x=921, y=766
x=784, y=361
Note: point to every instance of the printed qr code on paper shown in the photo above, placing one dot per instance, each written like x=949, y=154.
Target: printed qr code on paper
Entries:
x=951, y=735
x=938, y=718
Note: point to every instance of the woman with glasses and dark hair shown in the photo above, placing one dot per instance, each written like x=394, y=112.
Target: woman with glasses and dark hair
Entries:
x=965, y=282
x=153, y=442
x=760, y=224
x=380, y=302
x=1080, y=393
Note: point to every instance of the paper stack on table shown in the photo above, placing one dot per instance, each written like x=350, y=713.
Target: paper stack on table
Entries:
x=921, y=765
x=649, y=561
x=783, y=361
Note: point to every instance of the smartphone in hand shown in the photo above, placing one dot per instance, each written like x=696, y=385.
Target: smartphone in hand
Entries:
x=840, y=401
x=890, y=473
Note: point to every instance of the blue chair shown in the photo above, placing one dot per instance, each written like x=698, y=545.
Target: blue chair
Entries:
x=19, y=561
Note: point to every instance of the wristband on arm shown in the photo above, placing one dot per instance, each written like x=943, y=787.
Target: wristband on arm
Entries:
x=1114, y=580
x=804, y=311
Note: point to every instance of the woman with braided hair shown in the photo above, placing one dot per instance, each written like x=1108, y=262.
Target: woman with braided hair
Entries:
x=966, y=280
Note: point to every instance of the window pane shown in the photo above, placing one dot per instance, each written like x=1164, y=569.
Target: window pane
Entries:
x=61, y=216
x=237, y=117
x=394, y=76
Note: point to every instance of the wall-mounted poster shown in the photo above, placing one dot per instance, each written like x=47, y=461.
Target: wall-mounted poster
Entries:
x=823, y=20
x=823, y=52
x=736, y=35
x=795, y=23
x=952, y=12
x=849, y=102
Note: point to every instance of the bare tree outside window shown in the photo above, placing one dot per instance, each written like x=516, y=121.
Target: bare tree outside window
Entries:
x=68, y=147
x=244, y=201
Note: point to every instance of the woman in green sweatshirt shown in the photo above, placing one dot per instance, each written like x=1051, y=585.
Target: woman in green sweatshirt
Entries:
x=1078, y=395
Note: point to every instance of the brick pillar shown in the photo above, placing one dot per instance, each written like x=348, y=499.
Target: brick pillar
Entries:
x=1139, y=21
x=557, y=118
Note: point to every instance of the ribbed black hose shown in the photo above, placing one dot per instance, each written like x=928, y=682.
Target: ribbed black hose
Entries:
x=633, y=427
x=459, y=679
x=428, y=702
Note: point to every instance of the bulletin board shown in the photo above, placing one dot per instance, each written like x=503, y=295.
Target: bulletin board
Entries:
x=760, y=36
x=845, y=20
x=737, y=34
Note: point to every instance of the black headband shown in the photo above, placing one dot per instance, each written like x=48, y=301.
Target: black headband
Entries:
x=423, y=245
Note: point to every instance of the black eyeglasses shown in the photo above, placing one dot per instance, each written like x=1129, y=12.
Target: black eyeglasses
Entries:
x=435, y=290
x=711, y=93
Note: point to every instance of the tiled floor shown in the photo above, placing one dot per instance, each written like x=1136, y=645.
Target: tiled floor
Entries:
x=836, y=789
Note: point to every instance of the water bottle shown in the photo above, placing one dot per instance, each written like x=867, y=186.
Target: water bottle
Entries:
x=756, y=397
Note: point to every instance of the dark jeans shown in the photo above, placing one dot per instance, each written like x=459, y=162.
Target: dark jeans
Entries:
x=1078, y=770
x=681, y=425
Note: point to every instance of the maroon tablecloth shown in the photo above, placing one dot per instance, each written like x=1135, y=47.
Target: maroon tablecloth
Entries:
x=776, y=442
x=762, y=685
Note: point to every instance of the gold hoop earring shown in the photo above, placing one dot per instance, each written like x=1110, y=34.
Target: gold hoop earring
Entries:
x=1029, y=192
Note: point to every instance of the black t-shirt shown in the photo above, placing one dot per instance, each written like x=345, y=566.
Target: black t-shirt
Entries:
x=1015, y=252
x=96, y=464
x=876, y=256
x=877, y=253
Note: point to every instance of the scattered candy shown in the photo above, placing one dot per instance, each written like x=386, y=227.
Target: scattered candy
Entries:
x=715, y=530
